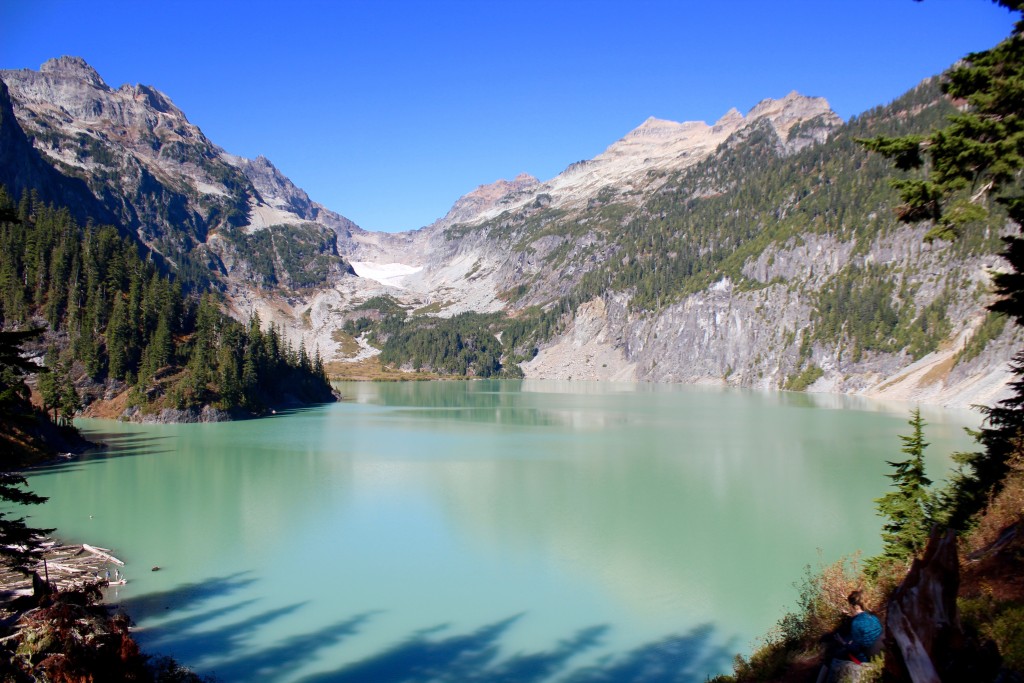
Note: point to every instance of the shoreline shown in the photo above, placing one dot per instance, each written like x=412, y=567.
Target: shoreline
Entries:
x=66, y=566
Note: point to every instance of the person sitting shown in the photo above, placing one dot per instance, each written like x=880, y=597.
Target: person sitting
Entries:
x=865, y=639
x=858, y=641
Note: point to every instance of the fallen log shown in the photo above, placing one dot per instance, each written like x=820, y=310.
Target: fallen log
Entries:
x=104, y=555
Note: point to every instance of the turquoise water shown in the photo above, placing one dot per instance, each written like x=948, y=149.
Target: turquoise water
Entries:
x=515, y=531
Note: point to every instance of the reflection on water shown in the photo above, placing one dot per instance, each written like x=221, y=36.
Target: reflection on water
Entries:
x=509, y=530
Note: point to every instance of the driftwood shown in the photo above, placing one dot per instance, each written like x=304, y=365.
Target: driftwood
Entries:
x=64, y=566
x=102, y=552
x=922, y=619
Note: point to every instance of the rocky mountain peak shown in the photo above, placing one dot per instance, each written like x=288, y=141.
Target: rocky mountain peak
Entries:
x=472, y=205
x=152, y=98
x=181, y=194
x=640, y=160
x=68, y=86
x=730, y=119
x=665, y=129
x=73, y=67
x=792, y=109
x=275, y=188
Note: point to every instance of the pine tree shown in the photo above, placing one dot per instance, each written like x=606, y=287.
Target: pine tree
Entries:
x=977, y=158
x=118, y=337
x=69, y=402
x=906, y=509
x=18, y=541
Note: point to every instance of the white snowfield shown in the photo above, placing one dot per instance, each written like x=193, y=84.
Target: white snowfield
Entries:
x=390, y=274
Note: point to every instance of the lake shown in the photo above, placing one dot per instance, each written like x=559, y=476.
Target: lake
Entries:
x=484, y=531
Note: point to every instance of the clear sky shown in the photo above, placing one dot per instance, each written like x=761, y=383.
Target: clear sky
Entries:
x=388, y=111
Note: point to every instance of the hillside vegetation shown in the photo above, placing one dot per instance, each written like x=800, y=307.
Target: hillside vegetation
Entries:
x=118, y=326
x=808, y=243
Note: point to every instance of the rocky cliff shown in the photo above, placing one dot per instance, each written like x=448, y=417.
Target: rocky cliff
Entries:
x=760, y=250
x=156, y=174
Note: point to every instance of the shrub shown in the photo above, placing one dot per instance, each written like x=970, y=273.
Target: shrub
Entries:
x=1007, y=631
x=1004, y=510
x=820, y=605
x=1000, y=621
x=821, y=601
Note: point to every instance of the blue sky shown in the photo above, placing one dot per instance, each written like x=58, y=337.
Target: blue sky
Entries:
x=387, y=112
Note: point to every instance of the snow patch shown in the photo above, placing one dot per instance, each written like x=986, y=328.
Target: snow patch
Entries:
x=390, y=274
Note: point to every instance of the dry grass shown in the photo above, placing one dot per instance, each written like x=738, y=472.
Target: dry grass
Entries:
x=1005, y=510
x=107, y=410
x=348, y=347
x=371, y=370
x=432, y=309
x=938, y=372
x=833, y=585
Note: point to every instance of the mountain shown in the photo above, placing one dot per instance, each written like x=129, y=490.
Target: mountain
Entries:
x=23, y=169
x=760, y=250
x=640, y=162
x=149, y=169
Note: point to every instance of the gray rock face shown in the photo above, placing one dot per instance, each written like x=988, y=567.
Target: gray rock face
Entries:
x=74, y=68
x=471, y=206
x=173, y=416
x=518, y=243
x=541, y=241
x=157, y=174
x=278, y=191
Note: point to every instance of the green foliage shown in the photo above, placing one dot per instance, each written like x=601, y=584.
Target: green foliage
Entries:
x=58, y=392
x=19, y=543
x=1007, y=630
x=977, y=152
x=990, y=329
x=905, y=151
x=975, y=158
x=126, y=321
x=858, y=305
x=385, y=305
x=522, y=335
x=863, y=307
x=907, y=525
x=1000, y=621
x=464, y=345
x=805, y=378
x=298, y=256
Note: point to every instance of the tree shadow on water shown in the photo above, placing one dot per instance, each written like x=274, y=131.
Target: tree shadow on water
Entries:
x=432, y=655
x=222, y=642
x=476, y=657
x=675, y=659
x=225, y=650
x=108, y=446
x=187, y=596
x=288, y=655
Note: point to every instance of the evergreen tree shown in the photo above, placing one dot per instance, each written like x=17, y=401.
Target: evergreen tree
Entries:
x=125, y=320
x=975, y=160
x=118, y=339
x=905, y=532
x=14, y=393
x=69, y=402
x=18, y=542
